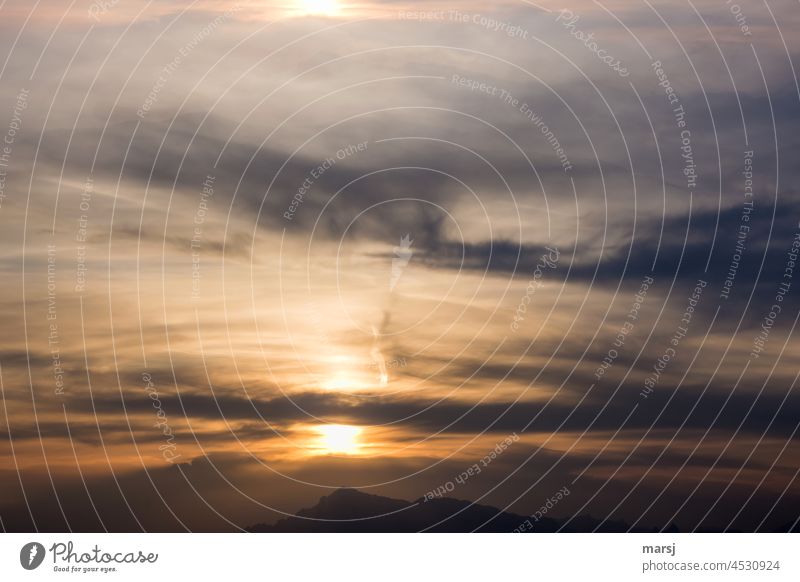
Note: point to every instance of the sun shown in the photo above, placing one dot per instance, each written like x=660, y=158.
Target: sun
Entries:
x=324, y=7
x=342, y=382
x=339, y=438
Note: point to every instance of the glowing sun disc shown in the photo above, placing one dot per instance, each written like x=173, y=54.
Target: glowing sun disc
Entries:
x=327, y=7
x=339, y=438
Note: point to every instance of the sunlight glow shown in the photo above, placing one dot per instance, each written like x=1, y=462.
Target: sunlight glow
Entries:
x=339, y=438
x=324, y=7
x=342, y=382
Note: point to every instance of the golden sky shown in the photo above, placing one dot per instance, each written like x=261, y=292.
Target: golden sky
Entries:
x=255, y=251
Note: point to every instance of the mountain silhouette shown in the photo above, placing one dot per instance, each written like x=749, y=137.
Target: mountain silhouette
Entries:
x=351, y=511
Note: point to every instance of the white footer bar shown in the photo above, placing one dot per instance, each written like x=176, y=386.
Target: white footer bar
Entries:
x=401, y=557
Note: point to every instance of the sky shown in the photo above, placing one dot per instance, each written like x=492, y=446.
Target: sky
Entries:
x=254, y=252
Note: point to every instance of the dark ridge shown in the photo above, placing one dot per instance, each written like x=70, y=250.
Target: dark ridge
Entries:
x=351, y=511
